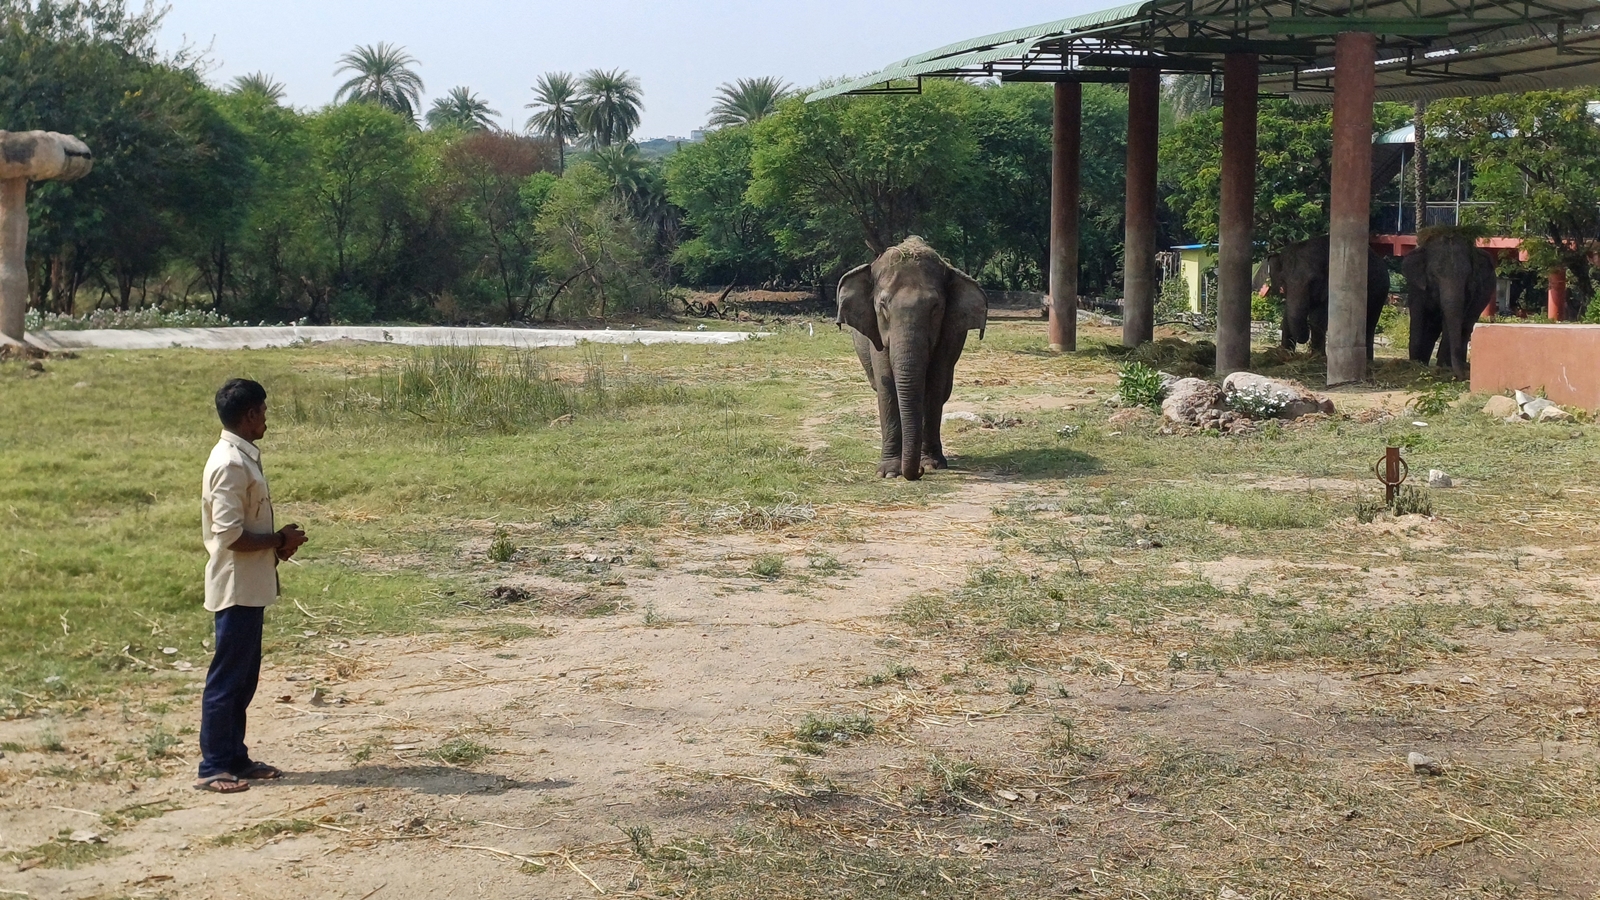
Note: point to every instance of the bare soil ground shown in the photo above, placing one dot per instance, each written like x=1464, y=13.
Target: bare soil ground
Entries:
x=1012, y=691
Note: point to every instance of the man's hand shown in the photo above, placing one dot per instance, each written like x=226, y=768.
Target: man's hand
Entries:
x=292, y=538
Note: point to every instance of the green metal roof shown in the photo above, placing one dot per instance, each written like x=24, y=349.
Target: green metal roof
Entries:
x=1427, y=48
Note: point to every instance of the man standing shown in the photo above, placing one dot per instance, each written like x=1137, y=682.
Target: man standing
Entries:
x=241, y=582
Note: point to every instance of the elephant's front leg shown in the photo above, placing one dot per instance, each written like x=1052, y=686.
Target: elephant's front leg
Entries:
x=881, y=377
x=941, y=381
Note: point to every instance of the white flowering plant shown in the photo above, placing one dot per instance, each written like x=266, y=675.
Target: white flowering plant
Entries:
x=1257, y=402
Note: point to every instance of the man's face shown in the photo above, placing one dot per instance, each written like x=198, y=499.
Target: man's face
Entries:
x=253, y=427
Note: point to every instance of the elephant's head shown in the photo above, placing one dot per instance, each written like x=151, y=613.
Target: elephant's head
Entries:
x=911, y=304
x=1303, y=274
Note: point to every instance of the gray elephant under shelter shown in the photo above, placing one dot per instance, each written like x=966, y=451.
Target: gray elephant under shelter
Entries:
x=1449, y=281
x=1299, y=273
x=910, y=312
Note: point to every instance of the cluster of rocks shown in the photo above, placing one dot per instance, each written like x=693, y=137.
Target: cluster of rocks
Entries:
x=1233, y=407
x=1523, y=407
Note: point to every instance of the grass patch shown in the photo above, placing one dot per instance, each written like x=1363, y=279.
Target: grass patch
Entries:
x=797, y=863
x=462, y=752
x=61, y=852
x=769, y=567
x=264, y=831
x=1238, y=507
x=453, y=390
x=814, y=729
x=897, y=672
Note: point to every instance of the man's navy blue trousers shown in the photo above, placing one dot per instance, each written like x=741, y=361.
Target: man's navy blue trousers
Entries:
x=230, y=686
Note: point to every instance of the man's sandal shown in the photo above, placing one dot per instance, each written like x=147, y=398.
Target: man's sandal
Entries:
x=260, y=772
x=225, y=783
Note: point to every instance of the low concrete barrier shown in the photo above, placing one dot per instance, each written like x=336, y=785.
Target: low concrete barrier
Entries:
x=1561, y=360
x=289, y=335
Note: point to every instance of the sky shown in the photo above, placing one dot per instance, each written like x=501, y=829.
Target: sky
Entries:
x=681, y=51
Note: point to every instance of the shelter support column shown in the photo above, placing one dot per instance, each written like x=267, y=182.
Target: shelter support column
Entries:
x=1066, y=141
x=1235, y=246
x=1350, y=205
x=13, y=257
x=1556, y=294
x=1139, y=232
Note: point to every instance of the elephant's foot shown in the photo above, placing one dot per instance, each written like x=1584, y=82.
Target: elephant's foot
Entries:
x=935, y=461
x=889, y=468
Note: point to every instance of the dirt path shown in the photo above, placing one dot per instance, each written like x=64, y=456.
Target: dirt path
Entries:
x=594, y=723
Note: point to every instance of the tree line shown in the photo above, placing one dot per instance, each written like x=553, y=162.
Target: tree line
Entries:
x=374, y=208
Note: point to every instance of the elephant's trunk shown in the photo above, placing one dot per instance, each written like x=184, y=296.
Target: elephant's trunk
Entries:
x=910, y=386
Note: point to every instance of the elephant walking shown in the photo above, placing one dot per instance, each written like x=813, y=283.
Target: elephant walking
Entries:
x=1299, y=273
x=911, y=311
x=1449, y=281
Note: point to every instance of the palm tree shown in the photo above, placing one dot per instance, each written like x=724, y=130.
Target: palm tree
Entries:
x=748, y=100
x=463, y=110
x=383, y=75
x=1187, y=94
x=608, y=107
x=258, y=83
x=555, y=118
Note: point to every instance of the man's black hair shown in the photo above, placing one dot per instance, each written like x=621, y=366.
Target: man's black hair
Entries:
x=238, y=397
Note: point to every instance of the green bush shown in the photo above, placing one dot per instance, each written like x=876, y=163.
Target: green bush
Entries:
x=1139, y=385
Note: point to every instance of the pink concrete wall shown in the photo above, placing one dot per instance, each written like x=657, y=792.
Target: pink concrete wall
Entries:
x=1561, y=360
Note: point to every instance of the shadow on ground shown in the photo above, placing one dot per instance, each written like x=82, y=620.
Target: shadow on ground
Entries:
x=439, y=780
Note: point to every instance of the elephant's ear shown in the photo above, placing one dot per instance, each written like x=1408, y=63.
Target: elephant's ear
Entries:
x=856, y=308
x=1263, y=273
x=1414, y=266
x=966, y=305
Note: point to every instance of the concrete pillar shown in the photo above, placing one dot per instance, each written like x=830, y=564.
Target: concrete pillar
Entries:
x=1350, y=205
x=13, y=257
x=1556, y=295
x=1139, y=232
x=1236, y=244
x=1066, y=141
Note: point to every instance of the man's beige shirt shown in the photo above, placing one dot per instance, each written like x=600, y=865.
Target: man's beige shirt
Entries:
x=234, y=499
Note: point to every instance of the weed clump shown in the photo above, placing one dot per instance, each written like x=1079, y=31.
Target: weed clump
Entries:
x=501, y=549
x=815, y=729
x=462, y=752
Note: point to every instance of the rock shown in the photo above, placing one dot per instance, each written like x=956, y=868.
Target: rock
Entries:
x=85, y=836
x=963, y=416
x=1523, y=398
x=1167, y=381
x=1293, y=398
x=1553, y=413
x=1190, y=399
x=1437, y=478
x=1421, y=764
x=1537, y=405
x=1501, y=406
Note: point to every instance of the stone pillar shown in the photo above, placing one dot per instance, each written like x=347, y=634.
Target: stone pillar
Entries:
x=1236, y=244
x=27, y=156
x=1066, y=137
x=13, y=257
x=1350, y=205
x=1139, y=233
